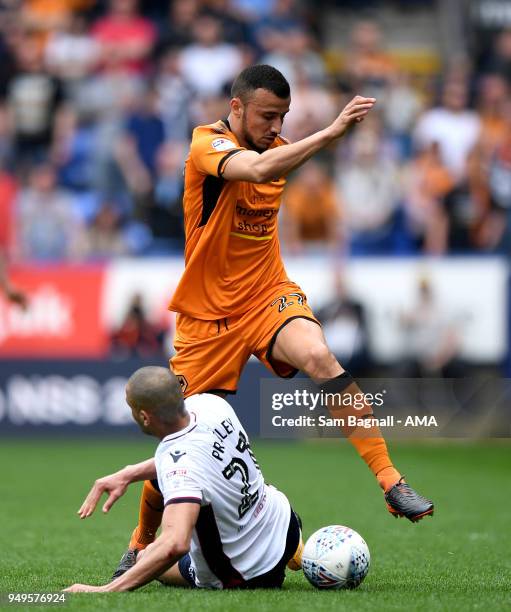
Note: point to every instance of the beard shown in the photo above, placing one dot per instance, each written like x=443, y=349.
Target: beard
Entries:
x=248, y=139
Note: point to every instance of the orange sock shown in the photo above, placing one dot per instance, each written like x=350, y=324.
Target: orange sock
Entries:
x=149, y=518
x=369, y=442
x=374, y=452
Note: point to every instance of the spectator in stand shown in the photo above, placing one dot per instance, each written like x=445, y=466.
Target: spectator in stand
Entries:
x=125, y=38
x=461, y=211
x=135, y=175
x=368, y=66
x=401, y=106
x=344, y=324
x=369, y=194
x=137, y=336
x=76, y=153
x=499, y=61
x=470, y=210
x=494, y=232
x=431, y=338
x=41, y=18
x=177, y=31
x=310, y=226
x=73, y=149
x=104, y=237
x=107, y=97
x=48, y=229
x=159, y=200
x=234, y=27
x=209, y=63
x=145, y=130
x=282, y=17
x=175, y=97
x=207, y=110
x=478, y=207
x=426, y=182
x=492, y=103
x=293, y=54
x=165, y=217
x=33, y=100
x=453, y=126
x=80, y=102
x=111, y=99
x=71, y=53
x=312, y=107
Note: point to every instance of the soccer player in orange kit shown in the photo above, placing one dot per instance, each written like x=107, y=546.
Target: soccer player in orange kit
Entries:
x=234, y=298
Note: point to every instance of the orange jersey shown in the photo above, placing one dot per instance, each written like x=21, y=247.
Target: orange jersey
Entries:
x=232, y=252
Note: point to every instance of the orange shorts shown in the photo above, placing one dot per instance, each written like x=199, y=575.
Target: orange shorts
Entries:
x=210, y=355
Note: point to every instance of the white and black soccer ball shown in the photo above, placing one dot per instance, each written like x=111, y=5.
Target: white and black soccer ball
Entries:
x=335, y=557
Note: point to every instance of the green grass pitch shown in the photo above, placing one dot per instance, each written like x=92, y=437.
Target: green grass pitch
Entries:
x=458, y=560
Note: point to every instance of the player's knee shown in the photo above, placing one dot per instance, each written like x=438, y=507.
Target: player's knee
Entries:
x=319, y=361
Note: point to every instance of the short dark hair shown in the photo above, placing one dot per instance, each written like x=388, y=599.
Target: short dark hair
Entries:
x=260, y=76
x=156, y=390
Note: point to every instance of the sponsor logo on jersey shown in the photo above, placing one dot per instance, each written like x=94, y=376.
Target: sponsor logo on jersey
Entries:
x=176, y=455
x=222, y=144
x=179, y=472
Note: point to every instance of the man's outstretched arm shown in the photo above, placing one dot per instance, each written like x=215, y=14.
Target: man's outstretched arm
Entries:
x=263, y=167
x=115, y=486
x=174, y=542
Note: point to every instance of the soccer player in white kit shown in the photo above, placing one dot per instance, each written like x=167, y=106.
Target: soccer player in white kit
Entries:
x=223, y=526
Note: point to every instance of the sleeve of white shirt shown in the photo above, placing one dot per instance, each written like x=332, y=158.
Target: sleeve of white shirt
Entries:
x=178, y=482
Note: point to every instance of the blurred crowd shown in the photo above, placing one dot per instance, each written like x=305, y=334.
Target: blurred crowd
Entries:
x=98, y=100
x=430, y=338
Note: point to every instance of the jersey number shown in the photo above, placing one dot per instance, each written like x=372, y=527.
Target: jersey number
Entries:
x=283, y=302
x=237, y=465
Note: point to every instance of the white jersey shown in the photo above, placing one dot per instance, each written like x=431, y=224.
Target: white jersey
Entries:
x=242, y=526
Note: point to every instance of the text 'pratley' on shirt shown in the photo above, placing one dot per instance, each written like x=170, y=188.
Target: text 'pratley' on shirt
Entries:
x=242, y=526
x=232, y=252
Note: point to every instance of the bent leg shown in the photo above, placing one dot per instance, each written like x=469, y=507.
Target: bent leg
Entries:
x=149, y=517
x=301, y=343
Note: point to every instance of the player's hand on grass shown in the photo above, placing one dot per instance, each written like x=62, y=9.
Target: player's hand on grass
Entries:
x=354, y=112
x=114, y=485
x=84, y=588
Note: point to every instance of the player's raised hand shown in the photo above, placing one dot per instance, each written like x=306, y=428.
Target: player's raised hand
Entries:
x=354, y=112
x=114, y=485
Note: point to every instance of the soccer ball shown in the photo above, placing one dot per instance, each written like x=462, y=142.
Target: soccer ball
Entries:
x=335, y=557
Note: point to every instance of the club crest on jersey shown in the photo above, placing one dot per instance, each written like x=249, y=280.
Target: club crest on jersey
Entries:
x=176, y=455
x=222, y=144
x=182, y=381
